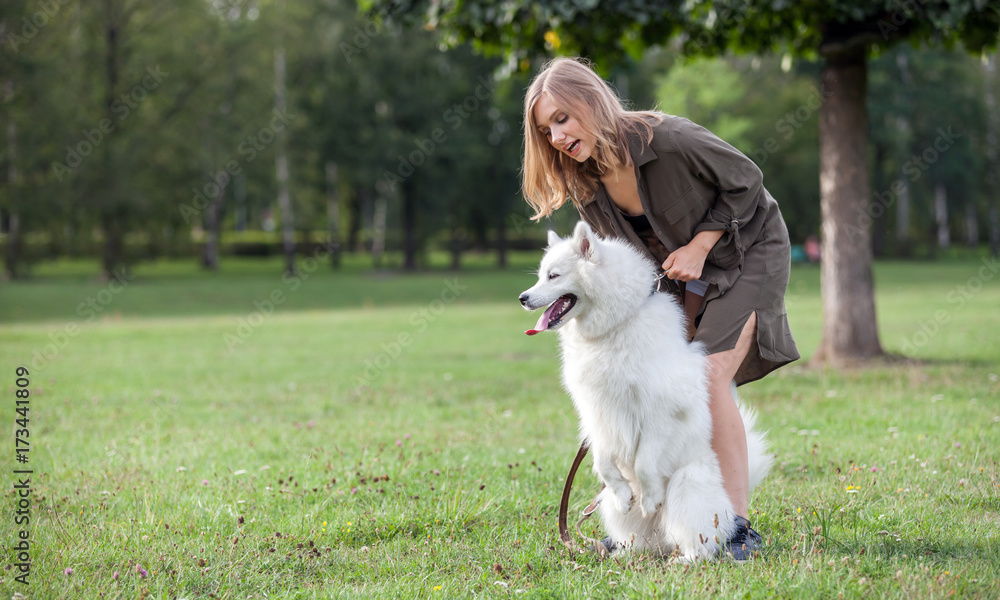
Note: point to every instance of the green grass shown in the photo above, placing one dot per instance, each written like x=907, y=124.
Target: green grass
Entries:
x=379, y=435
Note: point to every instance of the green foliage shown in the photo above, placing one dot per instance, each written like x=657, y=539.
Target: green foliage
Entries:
x=610, y=31
x=370, y=94
x=385, y=105
x=710, y=93
x=768, y=110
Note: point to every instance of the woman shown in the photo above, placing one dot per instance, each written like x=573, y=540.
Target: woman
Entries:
x=699, y=207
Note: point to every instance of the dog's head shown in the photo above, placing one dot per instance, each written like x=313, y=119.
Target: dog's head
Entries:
x=562, y=277
x=599, y=284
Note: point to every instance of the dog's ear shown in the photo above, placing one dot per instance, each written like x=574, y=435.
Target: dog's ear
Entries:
x=585, y=240
x=553, y=238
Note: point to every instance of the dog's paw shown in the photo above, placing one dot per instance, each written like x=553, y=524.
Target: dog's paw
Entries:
x=623, y=501
x=649, y=505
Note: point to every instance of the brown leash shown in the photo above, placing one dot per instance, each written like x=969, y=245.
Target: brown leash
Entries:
x=564, y=535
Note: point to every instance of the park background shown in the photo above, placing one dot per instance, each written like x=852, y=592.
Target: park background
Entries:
x=261, y=262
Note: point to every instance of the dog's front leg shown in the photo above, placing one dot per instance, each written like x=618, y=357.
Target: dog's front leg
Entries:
x=612, y=477
x=649, y=475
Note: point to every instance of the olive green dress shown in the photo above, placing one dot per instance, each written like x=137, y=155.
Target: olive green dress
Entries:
x=691, y=181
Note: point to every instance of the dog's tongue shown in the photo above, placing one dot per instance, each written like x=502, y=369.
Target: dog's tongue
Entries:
x=543, y=321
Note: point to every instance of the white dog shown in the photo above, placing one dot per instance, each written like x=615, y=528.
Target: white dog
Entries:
x=640, y=390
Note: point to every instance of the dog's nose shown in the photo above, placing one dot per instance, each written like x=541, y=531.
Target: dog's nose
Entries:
x=523, y=298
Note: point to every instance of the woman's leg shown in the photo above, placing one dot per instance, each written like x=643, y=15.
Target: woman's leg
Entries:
x=728, y=433
x=692, y=304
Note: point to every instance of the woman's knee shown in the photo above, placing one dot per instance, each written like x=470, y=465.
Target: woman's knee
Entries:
x=723, y=365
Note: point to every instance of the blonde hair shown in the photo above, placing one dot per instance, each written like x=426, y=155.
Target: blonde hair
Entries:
x=548, y=176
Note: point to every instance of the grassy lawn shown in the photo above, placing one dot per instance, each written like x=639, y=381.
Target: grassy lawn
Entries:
x=362, y=434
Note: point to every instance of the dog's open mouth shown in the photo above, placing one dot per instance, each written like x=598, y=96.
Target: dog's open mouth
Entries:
x=553, y=314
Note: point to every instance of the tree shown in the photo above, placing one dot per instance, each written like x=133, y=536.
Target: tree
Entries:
x=408, y=126
x=842, y=33
x=765, y=107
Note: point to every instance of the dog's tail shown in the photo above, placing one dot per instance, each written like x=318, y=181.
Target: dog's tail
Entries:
x=757, y=451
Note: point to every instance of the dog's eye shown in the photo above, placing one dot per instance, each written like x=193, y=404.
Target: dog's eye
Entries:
x=553, y=275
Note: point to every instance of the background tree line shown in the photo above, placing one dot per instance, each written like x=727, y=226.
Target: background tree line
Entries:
x=137, y=130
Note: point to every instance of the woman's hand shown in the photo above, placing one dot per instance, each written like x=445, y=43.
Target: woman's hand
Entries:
x=687, y=262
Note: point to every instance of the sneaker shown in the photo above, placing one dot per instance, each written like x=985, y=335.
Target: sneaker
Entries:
x=744, y=543
x=605, y=547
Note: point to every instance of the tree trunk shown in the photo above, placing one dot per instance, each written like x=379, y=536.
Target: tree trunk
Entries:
x=971, y=225
x=240, y=200
x=114, y=242
x=456, y=248
x=941, y=216
x=281, y=165
x=994, y=229
x=13, y=251
x=213, y=227
x=903, y=246
x=358, y=204
x=903, y=242
x=849, y=329
x=379, y=226
x=992, y=153
x=333, y=213
x=409, y=228
x=112, y=219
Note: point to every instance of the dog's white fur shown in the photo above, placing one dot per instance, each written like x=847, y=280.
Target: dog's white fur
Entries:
x=640, y=390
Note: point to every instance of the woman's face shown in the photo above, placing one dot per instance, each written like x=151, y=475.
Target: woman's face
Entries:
x=563, y=131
